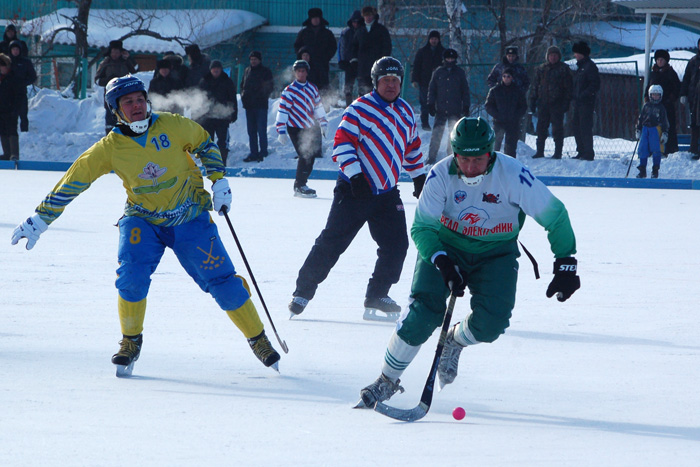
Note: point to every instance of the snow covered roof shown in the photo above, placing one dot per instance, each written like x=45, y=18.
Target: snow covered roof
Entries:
x=202, y=27
x=633, y=34
x=680, y=11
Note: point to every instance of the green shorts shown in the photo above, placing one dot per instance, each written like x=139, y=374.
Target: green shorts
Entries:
x=491, y=278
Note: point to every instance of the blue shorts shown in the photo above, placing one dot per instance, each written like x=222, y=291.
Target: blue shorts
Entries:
x=196, y=245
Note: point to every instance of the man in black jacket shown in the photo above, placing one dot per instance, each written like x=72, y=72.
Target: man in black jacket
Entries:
x=321, y=44
x=162, y=85
x=506, y=104
x=11, y=90
x=372, y=42
x=663, y=74
x=586, y=83
x=199, y=66
x=448, y=100
x=223, y=110
x=428, y=58
x=24, y=71
x=345, y=55
x=690, y=94
x=256, y=88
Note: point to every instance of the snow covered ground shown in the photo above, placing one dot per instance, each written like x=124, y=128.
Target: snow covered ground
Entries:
x=609, y=377
x=61, y=129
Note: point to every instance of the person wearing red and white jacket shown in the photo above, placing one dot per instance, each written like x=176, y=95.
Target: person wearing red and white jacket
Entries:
x=376, y=138
x=299, y=109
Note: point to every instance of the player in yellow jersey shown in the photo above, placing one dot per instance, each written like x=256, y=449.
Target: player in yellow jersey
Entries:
x=167, y=206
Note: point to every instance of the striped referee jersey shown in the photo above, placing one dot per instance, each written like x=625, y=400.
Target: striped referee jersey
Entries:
x=300, y=104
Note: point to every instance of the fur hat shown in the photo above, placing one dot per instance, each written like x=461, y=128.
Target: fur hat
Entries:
x=581, y=48
x=115, y=45
x=512, y=50
x=553, y=50
x=163, y=64
x=216, y=64
x=5, y=60
x=256, y=54
x=315, y=13
x=661, y=53
x=434, y=33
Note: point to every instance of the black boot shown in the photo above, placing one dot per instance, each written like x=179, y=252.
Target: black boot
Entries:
x=642, y=172
x=655, y=171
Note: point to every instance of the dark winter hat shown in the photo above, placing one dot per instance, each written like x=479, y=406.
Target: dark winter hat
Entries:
x=5, y=60
x=581, y=48
x=193, y=51
x=434, y=33
x=11, y=27
x=256, y=54
x=450, y=53
x=15, y=43
x=553, y=50
x=163, y=64
x=315, y=13
x=116, y=45
x=512, y=50
x=216, y=64
x=661, y=53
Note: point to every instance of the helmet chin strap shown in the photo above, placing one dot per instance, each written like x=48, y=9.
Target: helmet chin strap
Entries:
x=139, y=126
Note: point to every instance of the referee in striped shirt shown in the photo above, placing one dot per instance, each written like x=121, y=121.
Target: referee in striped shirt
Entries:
x=376, y=139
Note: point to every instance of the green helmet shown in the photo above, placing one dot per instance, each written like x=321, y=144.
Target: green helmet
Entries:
x=472, y=137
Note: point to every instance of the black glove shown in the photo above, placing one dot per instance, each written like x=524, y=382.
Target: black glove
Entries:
x=451, y=275
x=418, y=183
x=359, y=187
x=565, y=281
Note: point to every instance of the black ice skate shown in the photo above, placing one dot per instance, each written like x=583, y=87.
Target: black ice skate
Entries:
x=388, y=309
x=449, y=360
x=262, y=348
x=304, y=192
x=296, y=306
x=379, y=391
x=129, y=352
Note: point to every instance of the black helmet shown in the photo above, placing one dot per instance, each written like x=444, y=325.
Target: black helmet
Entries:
x=299, y=64
x=386, y=66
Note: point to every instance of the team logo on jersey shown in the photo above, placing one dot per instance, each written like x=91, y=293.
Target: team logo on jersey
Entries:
x=460, y=196
x=153, y=172
x=490, y=198
x=474, y=216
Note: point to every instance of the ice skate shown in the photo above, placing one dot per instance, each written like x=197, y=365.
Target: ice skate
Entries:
x=129, y=352
x=296, y=306
x=381, y=309
x=262, y=348
x=379, y=391
x=304, y=192
x=449, y=360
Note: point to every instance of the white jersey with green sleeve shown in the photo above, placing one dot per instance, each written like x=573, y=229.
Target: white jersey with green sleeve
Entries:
x=475, y=219
x=163, y=184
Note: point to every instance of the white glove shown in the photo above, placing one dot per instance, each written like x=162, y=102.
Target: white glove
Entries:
x=222, y=196
x=664, y=138
x=638, y=134
x=283, y=138
x=29, y=229
x=324, y=129
x=684, y=100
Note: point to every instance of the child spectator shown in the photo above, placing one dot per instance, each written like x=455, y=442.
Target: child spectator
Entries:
x=652, y=123
x=300, y=105
x=506, y=104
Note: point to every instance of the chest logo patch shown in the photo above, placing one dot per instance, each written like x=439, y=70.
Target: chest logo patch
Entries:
x=460, y=196
x=474, y=216
x=153, y=172
x=490, y=198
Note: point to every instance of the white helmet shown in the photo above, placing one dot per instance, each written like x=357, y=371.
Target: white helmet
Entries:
x=656, y=89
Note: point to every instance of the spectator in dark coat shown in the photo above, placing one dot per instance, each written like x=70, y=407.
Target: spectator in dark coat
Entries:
x=221, y=90
x=506, y=104
x=550, y=97
x=199, y=66
x=162, y=85
x=372, y=42
x=345, y=55
x=115, y=65
x=321, y=44
x=586, y=84
x=665, y=76
x=178, y=69
x=510, y=60
x=9, y=36
x=256, y=88
x=690, y=94
x=428, y=58
x=448, y=100
x=11, y=90
x=23, y=69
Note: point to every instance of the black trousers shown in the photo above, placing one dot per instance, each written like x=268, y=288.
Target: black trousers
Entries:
x=671, y=145
x=386, y=219
x=555, y=116
x=218, y=127
x=350, y=78
x=582, y=121
x=23, y=111
x=307, y=144
x=511, y=130
x=424, y=110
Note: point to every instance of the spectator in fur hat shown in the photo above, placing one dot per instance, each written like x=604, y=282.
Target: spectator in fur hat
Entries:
x=549, y=99
x=663, y=74
x=116, y=64
x=161, y=86
x=586, y=84
x=321, y=44
x=178, y=69
x=199, y=66
x=428, y=58
x=23, y=69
